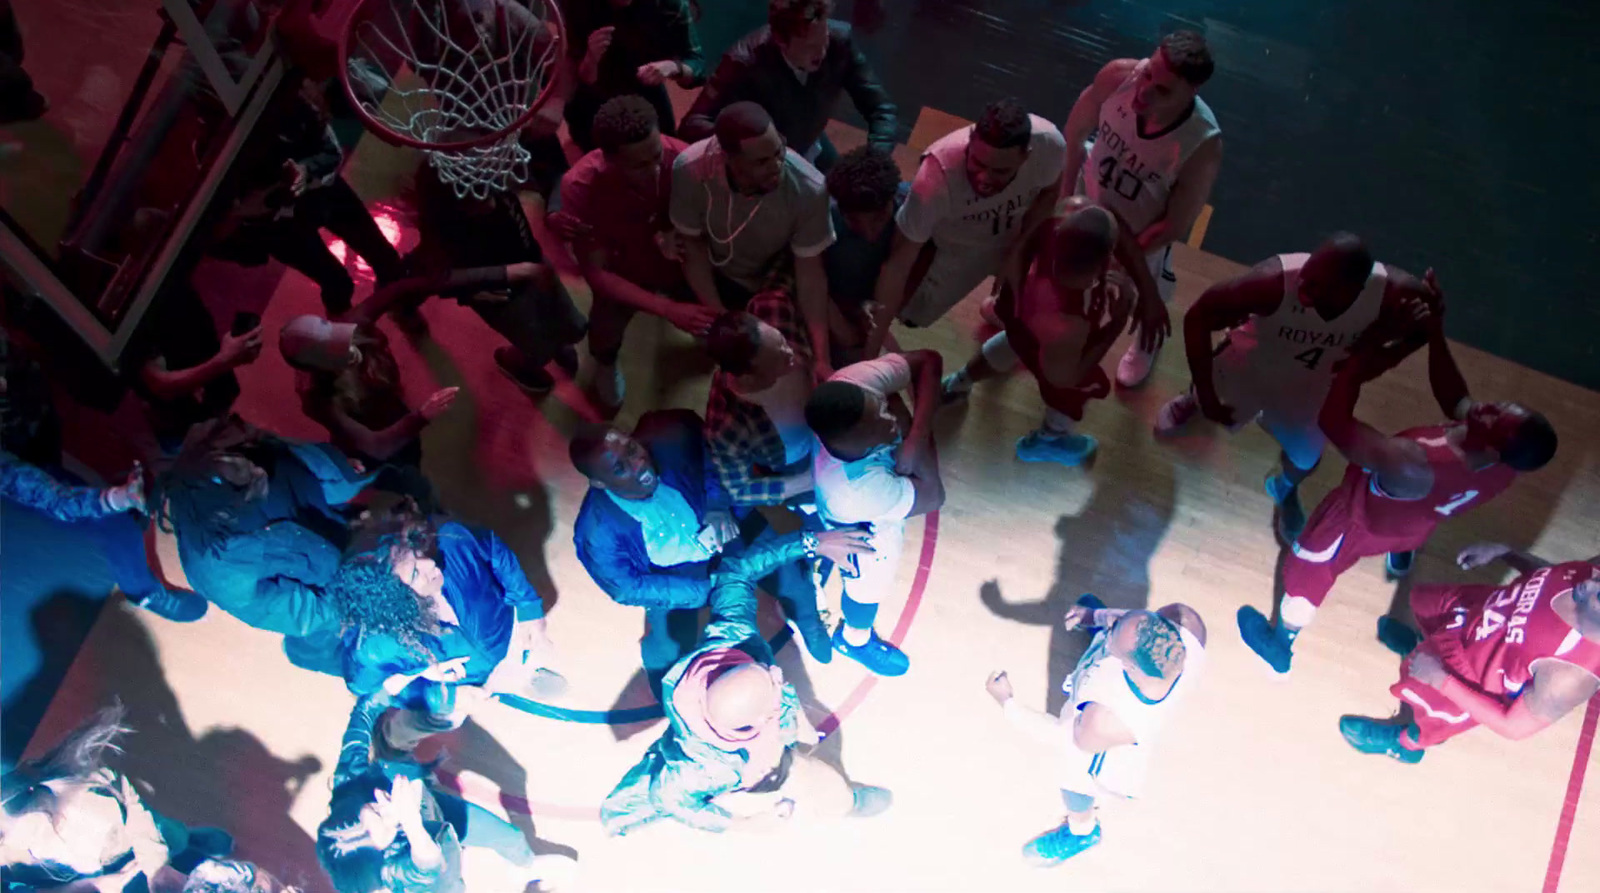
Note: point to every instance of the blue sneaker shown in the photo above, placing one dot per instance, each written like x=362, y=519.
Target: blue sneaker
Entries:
x=1072, y=450
x=877, y=655
x=1057, y=845
x=1398, y=564
x=1291, y=514
x=1093, y=603
x=1265, y=639
x=870, y=800
x=1397, y=637
x=1374, y=736
x=179, y=607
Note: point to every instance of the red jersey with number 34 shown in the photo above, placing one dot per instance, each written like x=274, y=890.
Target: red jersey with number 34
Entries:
x=1456, y=488
x=1495, y=638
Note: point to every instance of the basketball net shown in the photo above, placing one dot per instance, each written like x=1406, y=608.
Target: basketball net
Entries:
x=458, y=79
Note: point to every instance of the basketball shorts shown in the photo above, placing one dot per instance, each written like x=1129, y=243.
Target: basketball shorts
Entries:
x=1287, y=413
x=1331, y=544
x=951, y=275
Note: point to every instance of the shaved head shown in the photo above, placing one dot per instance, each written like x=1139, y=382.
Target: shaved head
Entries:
x=742, y=697
x=1082, y=241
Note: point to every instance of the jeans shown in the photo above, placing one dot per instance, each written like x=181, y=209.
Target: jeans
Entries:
x=478, y=827
x=121, y=539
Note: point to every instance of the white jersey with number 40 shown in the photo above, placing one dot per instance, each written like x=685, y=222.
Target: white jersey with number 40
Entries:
x=1293, y=344
x=1133, y=172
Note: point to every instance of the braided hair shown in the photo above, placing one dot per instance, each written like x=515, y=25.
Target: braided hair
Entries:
x=370, y=599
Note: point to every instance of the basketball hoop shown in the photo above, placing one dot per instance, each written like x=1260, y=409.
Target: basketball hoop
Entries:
x=458, y=79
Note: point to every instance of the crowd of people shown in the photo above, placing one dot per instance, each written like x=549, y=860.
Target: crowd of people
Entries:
x=792, y=265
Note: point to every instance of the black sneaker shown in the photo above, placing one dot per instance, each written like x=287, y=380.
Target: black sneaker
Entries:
x=533, y=382
x=179, y=607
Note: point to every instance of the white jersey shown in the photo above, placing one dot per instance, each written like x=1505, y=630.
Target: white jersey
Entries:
x=1293, y=348
x=1133, y=173
x=942, y=205
x=1101, y=678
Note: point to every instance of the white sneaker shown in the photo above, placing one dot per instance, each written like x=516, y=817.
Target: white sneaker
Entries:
x=1176, y=413
x=1135, y=366
x=955, y=387
x=610, y=386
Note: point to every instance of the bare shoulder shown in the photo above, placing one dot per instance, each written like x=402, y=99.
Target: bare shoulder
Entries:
x=1186, y=617
x=1113, y=73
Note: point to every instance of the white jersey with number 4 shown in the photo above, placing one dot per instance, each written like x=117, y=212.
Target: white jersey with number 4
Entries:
x=1133, y=172
x=1293, y=348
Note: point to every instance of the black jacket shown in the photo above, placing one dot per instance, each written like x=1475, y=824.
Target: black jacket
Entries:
x=755, y=70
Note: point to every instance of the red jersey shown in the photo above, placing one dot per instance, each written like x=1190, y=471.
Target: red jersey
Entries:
x=625, y=220
x=1495, y=638
x=1456, y=487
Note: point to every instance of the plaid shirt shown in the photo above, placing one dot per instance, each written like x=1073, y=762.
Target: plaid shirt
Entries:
x=741, y=437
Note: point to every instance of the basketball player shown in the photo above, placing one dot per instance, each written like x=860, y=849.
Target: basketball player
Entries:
x=1513, y=658
x=1397, y=488
x=976, y=193
x=1288, y=322
x=1156, y=152
x=1062, y=323
x=1137, y=669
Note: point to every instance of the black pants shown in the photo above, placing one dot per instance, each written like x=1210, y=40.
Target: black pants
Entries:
x=538, y=321
x=18, y=100
x=581, y=109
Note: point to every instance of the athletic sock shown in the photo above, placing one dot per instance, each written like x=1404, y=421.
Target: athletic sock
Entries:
x=1082, y=824
x=858, y=620
x=856, y=636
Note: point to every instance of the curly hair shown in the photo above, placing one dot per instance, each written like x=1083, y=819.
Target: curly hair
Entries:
x=78, y=757
x=1005, y=124
x=369, y=597
x=623, y=121
x=864, y=180
x=788, y=18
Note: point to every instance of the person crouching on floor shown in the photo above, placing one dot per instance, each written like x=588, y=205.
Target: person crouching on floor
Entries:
x=728, y=758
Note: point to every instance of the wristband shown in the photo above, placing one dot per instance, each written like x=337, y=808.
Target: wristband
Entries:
x=809, y=541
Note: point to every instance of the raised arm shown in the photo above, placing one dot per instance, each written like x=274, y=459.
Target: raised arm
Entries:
x=870, y=98
x=1399, y=466
x=368, y=312
x=27, y=485
x=1402, y=326
x=1444, y=376
x=355, y=750
x=1085, y=114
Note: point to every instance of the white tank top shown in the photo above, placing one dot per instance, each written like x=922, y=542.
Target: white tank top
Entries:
x=1134, y=174
x=1294, y=344
x=956, y=217
x=1103, y=679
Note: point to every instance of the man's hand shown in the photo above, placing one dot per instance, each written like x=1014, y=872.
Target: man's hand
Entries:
x=240, y=350
x=547, y=120
x=723, y=528
x=769, y=819
x=294, y=176
x=566, y=226
x=437, y=403
x=695, y=319
x=652, y=73
x=999, y=687
x=452, y=670
x=838, y=545
x=671, y=244
x=1426, y=667
x=1480, y=554
x=599, y=42
x=530, y=643
x=1152, y=321
x=821, y=369
x=1435, y=318
x=129, y=497
x=1078, y=616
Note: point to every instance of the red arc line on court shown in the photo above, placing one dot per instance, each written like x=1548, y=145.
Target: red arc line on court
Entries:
x=1569, y=807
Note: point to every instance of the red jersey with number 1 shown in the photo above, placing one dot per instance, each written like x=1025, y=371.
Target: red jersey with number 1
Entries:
x=1494, y=636
x=1457, y=487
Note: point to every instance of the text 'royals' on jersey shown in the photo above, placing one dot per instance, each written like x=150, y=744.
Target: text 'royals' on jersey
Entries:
x=1133, y=173
x=1293, y=348
x=943, y=207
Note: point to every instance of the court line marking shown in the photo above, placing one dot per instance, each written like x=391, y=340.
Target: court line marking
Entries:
x=515, y=803
x=1569, y=807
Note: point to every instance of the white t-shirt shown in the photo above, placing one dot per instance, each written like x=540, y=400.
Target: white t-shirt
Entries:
x=866, y=489
x=671, y=530
x=943, y=207
x=749, y=234
x=785, y=403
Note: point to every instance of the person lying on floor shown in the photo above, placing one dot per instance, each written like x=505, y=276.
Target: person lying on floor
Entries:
x=437, y=615
x=728, y=758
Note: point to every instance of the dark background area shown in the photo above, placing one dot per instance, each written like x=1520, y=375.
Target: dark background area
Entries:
x=1448, y=133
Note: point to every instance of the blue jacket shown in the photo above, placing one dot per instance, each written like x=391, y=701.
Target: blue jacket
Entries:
x=680, y=775
x=33, y=487
x=610, y=542
x=270, y=578
x=486, y=586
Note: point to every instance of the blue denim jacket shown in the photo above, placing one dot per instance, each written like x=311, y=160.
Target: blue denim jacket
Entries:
x=35, y=488
x=610, y=543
